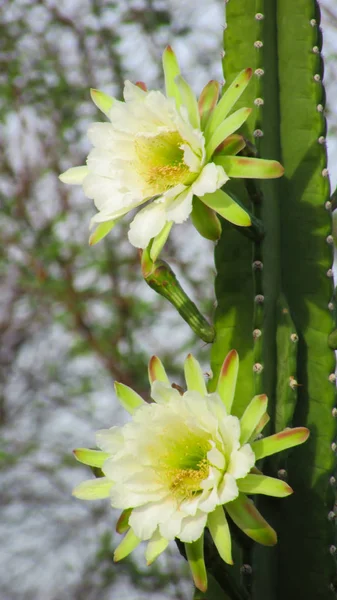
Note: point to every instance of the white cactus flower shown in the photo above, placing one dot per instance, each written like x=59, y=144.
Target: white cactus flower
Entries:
x=169, y=152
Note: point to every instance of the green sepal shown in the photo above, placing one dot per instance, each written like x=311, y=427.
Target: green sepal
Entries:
x=247, y=167
x=156, y=371
x=227, y=379
x=261, y=484
x=205, y=220
x=279, y=441
x=207, y=101
x=232, y=145
x=122, y=524
x=171, y=71
x=246, y=516
x=225, y=206
x=128, y=398
x=127, y=545
x=229, y=98
x=155, y=547
x=189, y=101
x=219, y=530
x=252, y=417
x=101, y=231
x=195, y=557
x=158, y=242
x=92, y=458
x=102, y=100
x=93, y=489
x=194, y=377
x=227, y=128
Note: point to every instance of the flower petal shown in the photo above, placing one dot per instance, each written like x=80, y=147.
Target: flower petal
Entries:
x=210, y=179
x=163, y=392
x=147, y=224
x=228, y=490
x=110, y=440
x=192, y=527
x=241, y=461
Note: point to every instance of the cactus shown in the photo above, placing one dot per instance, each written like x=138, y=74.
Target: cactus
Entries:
x=275, y=297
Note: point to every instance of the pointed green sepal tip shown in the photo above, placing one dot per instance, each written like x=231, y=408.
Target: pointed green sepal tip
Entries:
x=232, y=145
x=127, y=545
x=189, y=101
x=225, y=129
x=205, y=220
x=155, y=547
x=128, y=398
x=102, y=100
x=93, y=489
x=225, y=206
x=171, y=71
x=194, y=376
x=252, y=417
x=92, y=458
x=122, y=524
x=157, y=371
x=195, y=557
x=219, y=530
x=74, y=175
x=141, y=85
x=246, y=516
x=249, y=168
x=280, y=441
x=146, y=262
x=229, y=98
x=261, y=484
x=227, y=379
x=207, y=101
x=101, y=231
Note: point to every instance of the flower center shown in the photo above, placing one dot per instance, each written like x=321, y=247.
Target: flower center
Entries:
x=160, y=161
x=183, y=465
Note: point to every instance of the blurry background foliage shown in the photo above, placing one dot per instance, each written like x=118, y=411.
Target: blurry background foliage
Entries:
x=72, y=318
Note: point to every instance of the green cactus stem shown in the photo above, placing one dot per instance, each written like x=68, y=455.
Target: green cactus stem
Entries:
x=288, y=331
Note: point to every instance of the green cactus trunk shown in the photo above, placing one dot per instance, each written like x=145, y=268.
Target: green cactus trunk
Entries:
x=275, y=297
